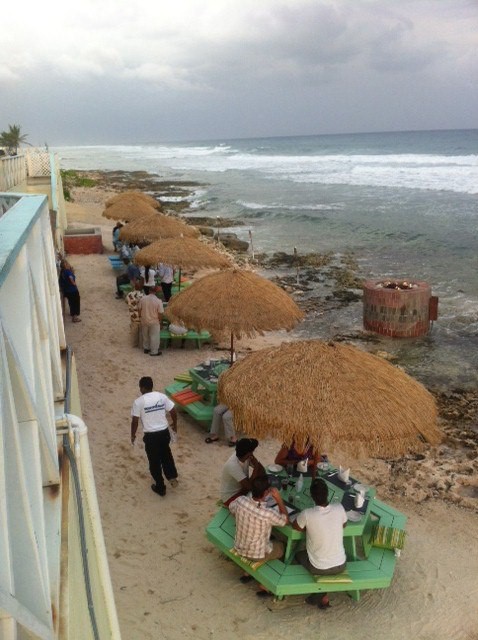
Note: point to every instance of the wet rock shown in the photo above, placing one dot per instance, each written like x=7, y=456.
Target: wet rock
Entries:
x=237, y=245
x=206, y=231
x=346, y=295
x=216, y=223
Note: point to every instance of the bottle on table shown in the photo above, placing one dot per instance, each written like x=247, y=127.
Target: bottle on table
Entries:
x=300, y=483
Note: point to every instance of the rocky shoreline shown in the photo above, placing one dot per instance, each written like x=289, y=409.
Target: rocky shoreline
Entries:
x=321, y=283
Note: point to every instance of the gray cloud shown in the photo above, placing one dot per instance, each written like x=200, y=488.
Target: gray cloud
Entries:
x=113, y=72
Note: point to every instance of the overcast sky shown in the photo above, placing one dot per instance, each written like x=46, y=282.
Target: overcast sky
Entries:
x=133, y=71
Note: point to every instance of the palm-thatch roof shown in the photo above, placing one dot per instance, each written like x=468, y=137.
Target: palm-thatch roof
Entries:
x=154, y=227
x=182, y=252
x=133, y=195
x=128, y=210
x=340, y=397
x=237, y=301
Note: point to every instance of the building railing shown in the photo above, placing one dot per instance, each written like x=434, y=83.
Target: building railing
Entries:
x=20, y=173
x=54, y=576
x=13, y=171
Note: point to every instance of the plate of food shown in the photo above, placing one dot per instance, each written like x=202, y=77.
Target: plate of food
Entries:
x=361, y=488
x=275, y=468
x=354, y=516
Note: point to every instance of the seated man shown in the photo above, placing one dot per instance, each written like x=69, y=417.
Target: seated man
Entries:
x=130, y=276
x=254, y=522
x=235, y=480
x=323, y=524
x=222, y=414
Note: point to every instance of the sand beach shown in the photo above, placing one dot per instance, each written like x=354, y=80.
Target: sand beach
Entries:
x=170, y=582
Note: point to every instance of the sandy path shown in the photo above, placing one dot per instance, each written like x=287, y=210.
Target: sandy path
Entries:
x=169, y=582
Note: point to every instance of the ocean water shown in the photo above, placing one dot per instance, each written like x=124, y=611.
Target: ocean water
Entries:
x=406, y=204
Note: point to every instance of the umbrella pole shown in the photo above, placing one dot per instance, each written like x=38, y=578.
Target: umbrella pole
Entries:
x=232, y=348
x=179, y=281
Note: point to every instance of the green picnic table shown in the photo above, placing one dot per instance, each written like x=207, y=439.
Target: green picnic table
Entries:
x=367, y=567
x=202, y=381
x=338, y=492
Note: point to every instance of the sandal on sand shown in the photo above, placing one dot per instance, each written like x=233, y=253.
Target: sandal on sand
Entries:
x=208, y=440
x=231, y=443
x=263, y=594
x=245, y=579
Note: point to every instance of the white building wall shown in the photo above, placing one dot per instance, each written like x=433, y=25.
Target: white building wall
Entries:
x=42, y=561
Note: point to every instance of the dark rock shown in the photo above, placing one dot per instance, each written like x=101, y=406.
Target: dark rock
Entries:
x=346, y=296
x=206, y=231
x=218, y=223
x=235, y=244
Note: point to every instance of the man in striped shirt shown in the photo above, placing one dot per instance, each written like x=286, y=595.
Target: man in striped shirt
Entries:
x=254, y=522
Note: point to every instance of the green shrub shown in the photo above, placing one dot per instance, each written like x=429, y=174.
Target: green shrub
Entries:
x=71, y=178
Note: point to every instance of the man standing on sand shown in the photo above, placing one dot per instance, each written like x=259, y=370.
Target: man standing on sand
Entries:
x=132, y=300
x=150, y=309
x=166, y=273
x=151, y=407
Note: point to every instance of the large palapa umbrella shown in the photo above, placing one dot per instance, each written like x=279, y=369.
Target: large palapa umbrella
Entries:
x=338, y=396
x=133, y=196
x=182, y=252
x=128, y=210
x=240, y=302
x=155, y=227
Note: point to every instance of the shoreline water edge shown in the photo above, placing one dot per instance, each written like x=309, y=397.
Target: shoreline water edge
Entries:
x=327, y=287
x=170, y=582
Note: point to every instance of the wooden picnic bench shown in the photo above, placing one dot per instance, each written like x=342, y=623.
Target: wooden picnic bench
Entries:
x=199, y=410
x=375, y=571
x=199, y=338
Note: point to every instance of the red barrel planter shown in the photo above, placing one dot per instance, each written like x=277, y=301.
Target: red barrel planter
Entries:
x=404, y=311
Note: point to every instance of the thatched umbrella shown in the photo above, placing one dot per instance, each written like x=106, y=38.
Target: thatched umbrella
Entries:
x=155, y=227
x=133, y=195
x=183, y=253
x=128, y=210
x=338, y=396
x=240, y=302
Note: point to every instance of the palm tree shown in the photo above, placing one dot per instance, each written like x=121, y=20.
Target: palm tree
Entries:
x=13, y=138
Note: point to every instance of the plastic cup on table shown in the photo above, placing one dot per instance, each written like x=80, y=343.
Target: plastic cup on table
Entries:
x=359, y=500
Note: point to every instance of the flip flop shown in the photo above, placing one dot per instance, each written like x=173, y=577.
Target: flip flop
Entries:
x=231, y=444
x=246, y=579
x=209, y=440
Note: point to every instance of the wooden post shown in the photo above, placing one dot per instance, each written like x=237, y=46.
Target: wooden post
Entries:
x=252, y=246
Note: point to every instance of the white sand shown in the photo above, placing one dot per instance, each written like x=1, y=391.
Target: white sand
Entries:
x=169, y=581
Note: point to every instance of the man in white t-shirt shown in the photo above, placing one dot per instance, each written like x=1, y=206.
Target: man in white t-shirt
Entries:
x=323, y=524
x=235, y=480
x=166, y=273
x=151, y=408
